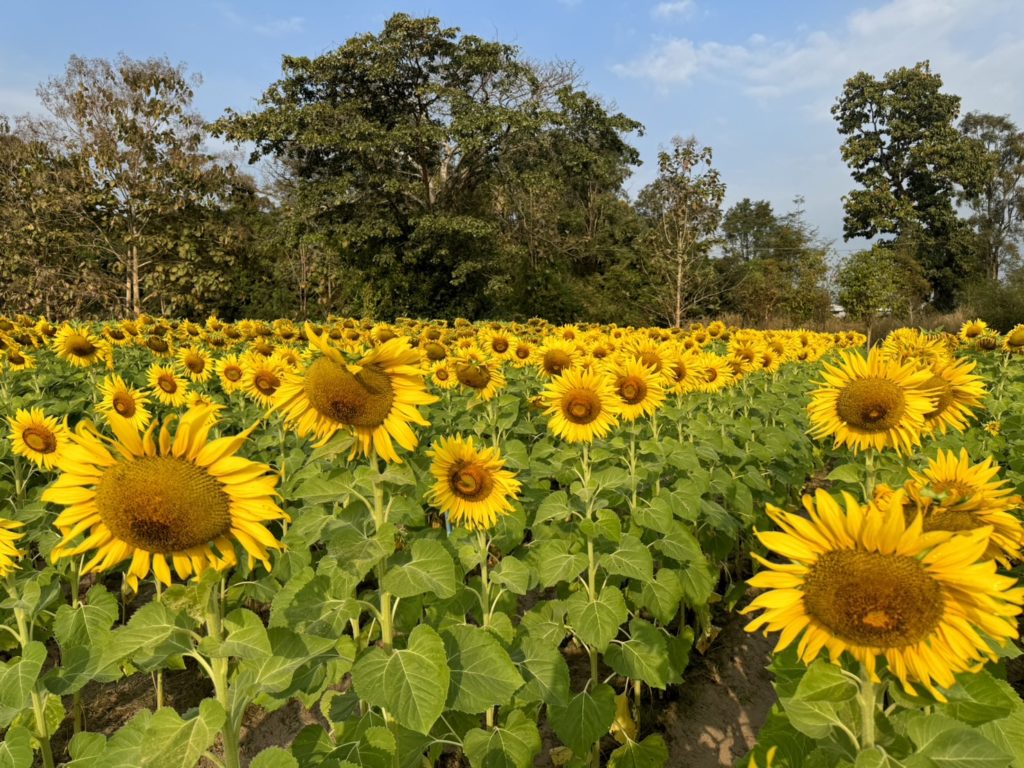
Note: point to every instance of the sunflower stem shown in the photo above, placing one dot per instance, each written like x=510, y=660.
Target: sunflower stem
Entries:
x=870, y=476
x=219, y=670
x=632, y=469
x=380, y=518
x=42, y=733
x=159, y=672
x=868, y=698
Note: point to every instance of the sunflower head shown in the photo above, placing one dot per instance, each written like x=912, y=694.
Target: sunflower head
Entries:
x=9, y=552
x=639, y=389
x=471, y=486
x=38, y=437
x=121, y=401
x=582, y=405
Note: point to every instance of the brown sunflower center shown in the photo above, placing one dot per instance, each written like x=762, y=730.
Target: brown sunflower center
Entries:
x=473, y=376
x=556, y=360
x=359, y=400
x=499, y=344
x=195, y=363
x=39, y=439
x=167, y=383
x=952, y=520
x=522, y=352
x=470, y=481
x=581, y=406
x=124, y=404
x=988, y=343
x=232, y=372
x=650, y=359
x=266, y=382
x=435, y=351
x=871, y=405
x=872, y=599
x=162, y=504
x=14, y=357
x=157, y=344
x=632, y=390
x=79, y=346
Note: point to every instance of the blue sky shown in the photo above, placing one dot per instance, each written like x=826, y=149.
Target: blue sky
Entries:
x=754, y=79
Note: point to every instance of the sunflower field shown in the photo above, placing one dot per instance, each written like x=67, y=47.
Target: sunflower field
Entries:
x=504, y=544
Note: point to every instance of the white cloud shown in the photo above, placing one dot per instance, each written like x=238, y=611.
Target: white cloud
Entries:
x=667, y=10
x=978, y=48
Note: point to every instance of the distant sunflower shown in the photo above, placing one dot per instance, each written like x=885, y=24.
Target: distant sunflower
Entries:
x=443, y=376
x=988, y=341
x=9, y=552
x=556, y=356
x=230, y=372
x=159, y=344
x=684, y=371
x=523, y=354
x=18, y=360
x=471, y=486
x=195, y=362
x=376, y=399
x=582, y=405
x=167, y=385
x=123, y=401
x=40, y=438
x=77, y=345
x=639, y=389
x=163, y=503
x=262, y=377
x=957, y=392
x=871, y=403
x=715, y=373
x=972, y=329
x=480, y=373
x=866, y=583
x=497, y=343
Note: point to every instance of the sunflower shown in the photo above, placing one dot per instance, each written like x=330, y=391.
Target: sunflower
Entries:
x=376, y=399
x=434, y=351
x=39, y=438
x=715, y=373
x=864, y=581
x=522, y=354
x=262, y=377
x=957, y=392
x=972, y=329
x=1014, y=340
x=195, y=362
x=956, y=495
x=871, y=403
x=9, y=552
x=17, y=360
x=77, y=345
x=476, y=371
x=443, y=376
x=158, y=344
x=640, y=391
x=497, y=343
x=988, y=341
x=123, y=401
x=230, y=371
x=684, y=371
x=556, y=356
x=167, y=385
x=471, y=486
x=582, y=405
x=163, y=503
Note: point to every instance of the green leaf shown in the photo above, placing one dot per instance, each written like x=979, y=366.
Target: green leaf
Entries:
x=18, y=679
x=430, y=570
x=825, y=682
x=512, y=744
x=979, y=698
x=246, y=637
x=172, y=741
x=152, y=635
x=554, y=562
x=661, y=596
x=545, y=671
x=412, y=684
x=964, y=748
x=847, y=473
x=597, y=622
x=698, y=582
x=876, y=757
x=631, y=559
x=1008, y=735
x=482, y=674
x=585, y=718
x=16, y=749
x=274, y=757
x=680, y=545
x=649, y=753
x=513, y=574
x=643, y=657
x=554, y=507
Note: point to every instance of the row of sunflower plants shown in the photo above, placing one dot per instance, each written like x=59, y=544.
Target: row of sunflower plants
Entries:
x=585, y=494
x=896, y=594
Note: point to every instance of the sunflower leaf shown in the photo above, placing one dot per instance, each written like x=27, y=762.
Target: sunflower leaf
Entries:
x=482, y=674
x=430, y=570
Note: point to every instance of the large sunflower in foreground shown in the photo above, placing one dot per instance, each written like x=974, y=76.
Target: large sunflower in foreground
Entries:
x=471, y=486
x=177, y=501
x=865, y=582
x=9, y=552
x=376, y=399
x=37, y=437
x=582, y=405
x=871, y=403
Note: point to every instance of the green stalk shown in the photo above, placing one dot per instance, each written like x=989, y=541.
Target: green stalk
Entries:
x=870, y=478
x=483, y=547
x=159, y=672
x=42, y=733
x=632, y=469
x=585, y=475
x=219, y=669
x=868, y=699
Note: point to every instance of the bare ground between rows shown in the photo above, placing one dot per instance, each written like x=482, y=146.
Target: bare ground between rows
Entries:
x=707, y=722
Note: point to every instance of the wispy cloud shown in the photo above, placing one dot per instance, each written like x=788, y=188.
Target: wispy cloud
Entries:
x=898, y=33
x=265, y=28
x=673, y=8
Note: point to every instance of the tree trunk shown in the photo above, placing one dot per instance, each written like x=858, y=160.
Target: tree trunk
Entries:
x=136, y=302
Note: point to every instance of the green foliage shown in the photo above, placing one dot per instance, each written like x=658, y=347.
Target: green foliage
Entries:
x=882, y=280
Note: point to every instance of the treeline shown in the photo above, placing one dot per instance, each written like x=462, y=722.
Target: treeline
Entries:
x=421, y=172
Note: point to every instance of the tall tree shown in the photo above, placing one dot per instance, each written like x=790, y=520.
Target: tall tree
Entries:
x=904, y=150
x=136, y=176
x=997, y=204
x=417, y=152
x=881, y=280
x=683, y=207
x=747, y=229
